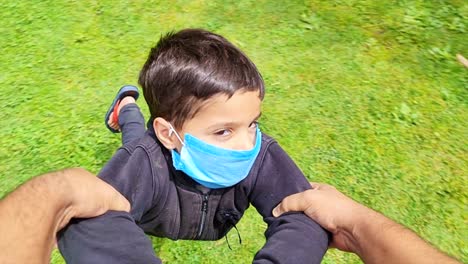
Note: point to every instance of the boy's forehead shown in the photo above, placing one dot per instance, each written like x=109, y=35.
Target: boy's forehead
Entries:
x=242, y=106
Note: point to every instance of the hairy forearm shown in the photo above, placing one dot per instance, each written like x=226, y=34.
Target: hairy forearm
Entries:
x=31, y=215
x=381, y=240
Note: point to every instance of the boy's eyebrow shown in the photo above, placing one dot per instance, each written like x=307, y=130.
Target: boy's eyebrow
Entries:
x=232, y=123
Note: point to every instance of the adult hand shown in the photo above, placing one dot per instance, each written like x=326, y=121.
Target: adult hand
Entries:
x=31, y=215
x=359, y=229
x=329, y=208
x=90, y=196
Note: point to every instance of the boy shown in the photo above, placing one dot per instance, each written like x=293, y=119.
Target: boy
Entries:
x=203, y=159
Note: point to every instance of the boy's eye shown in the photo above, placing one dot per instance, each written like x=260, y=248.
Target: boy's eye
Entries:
x=254, y=124
x=223, y=132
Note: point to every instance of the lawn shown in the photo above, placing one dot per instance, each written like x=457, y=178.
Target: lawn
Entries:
x=365, y=95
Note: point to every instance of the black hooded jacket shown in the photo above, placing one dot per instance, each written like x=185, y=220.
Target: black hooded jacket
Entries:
x=167, y=203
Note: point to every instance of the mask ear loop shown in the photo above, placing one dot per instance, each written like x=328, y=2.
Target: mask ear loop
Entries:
x=172, y=130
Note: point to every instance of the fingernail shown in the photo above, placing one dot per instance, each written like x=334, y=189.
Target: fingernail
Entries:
x=276, y=212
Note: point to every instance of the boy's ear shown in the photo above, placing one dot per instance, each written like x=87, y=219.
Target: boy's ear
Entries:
x=162, y=128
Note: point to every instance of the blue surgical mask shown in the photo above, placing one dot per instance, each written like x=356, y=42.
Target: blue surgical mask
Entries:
x=212, y=166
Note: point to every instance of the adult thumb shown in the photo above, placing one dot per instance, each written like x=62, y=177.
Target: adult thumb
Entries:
x=292, y=203
x=117, y=202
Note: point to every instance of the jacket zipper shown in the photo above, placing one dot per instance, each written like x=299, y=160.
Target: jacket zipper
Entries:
x=204, y=211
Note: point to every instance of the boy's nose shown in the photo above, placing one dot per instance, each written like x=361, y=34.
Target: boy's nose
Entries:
x=244, y=141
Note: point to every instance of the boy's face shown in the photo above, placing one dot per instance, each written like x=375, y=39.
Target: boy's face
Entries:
x=229, y=123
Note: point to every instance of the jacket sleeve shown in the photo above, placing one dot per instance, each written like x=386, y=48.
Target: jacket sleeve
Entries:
x=115, y=236
x=293, y=237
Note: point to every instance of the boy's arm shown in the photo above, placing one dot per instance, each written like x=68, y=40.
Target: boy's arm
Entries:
x=111, y=238
x=115, y=236
x=291, y=238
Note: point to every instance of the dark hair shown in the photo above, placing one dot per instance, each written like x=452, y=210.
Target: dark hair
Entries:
x=190, y=66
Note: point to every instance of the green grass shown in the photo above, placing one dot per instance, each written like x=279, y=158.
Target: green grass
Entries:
x=365, y=95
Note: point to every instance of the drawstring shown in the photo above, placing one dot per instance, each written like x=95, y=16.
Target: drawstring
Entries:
x=238, y=235
x=227, y=241
x=230, y=217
